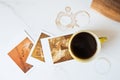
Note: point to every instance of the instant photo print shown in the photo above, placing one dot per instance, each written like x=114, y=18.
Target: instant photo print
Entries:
x=20, y=53
x=57, y=47
x=36, y=56
x=38, y=52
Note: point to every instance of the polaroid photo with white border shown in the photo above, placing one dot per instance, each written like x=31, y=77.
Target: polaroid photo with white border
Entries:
x=20, y=52
x=56, y=48
x=36, y=56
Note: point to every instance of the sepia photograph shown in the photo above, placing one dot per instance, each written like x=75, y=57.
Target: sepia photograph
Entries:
x=20, y=54
x=59, y=49
x=37, y=51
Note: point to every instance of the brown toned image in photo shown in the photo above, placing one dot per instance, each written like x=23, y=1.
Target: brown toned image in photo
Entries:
x=38, y=52
x=59, y=49
x=20, y=54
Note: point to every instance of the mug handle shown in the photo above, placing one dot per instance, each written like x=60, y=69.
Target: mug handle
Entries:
x=103, y=39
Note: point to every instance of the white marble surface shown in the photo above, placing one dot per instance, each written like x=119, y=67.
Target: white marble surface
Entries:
x=34, y=15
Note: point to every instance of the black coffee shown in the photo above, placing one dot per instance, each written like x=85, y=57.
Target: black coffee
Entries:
x=83, y=45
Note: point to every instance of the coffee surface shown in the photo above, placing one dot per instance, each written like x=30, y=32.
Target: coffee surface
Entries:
x=83, y=45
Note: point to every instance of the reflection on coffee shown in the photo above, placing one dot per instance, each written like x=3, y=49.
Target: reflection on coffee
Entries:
x=83, y=45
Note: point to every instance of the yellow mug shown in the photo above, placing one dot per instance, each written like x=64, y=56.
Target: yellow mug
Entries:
x=85, y=45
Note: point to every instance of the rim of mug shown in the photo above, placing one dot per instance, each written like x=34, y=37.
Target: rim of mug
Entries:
x=96, y=53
